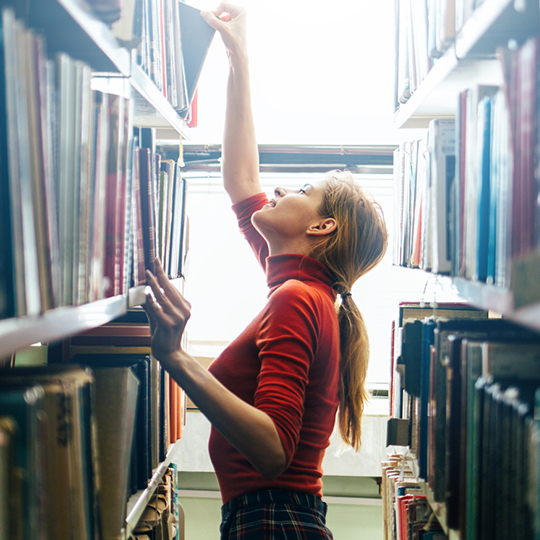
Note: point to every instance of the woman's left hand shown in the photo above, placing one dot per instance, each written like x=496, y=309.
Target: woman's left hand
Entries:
x=168, y=315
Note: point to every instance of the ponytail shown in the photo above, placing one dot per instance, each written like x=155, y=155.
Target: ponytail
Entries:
x=356, y=246
x=353, y=363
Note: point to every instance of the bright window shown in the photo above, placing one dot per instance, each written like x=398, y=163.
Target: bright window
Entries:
x=227, y=287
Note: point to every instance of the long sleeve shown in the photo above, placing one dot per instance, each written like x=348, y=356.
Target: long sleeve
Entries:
x=244, y=210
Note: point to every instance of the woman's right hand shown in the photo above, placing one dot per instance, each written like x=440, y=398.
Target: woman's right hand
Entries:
x=230, y=21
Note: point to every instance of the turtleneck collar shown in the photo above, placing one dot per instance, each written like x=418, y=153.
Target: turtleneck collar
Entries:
x=280, y=268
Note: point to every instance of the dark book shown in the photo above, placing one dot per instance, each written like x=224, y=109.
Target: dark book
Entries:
x=8, y=476
x=471, y=329
x=425, y=377
x=7, y=261
x=147, y=208
x=181, y=103
x=454, y=432
x=411, y=354
x=485, y=179
x=24, y=405
x=138, y=244
x=196, y=35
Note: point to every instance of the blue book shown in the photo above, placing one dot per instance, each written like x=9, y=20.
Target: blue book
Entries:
x=484, y=204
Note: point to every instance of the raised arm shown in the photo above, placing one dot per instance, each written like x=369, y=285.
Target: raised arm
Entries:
x=240, y=155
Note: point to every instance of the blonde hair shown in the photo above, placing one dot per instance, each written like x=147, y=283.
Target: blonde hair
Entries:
x=356, y=246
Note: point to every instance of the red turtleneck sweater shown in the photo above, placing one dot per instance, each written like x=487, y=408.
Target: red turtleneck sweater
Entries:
x=285, y=363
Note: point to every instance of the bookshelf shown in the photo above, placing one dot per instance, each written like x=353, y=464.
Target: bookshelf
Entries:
x=468, y=59
x=488, y=49
x=137, y=502
x=69, y=28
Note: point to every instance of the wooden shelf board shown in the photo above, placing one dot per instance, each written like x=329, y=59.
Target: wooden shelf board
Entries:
x=56, y=324
x=151, y=107
x=137, y=502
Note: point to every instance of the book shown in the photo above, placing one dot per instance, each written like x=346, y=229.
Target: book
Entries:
x=196, y=35
x=26, y=266
x=140, y=365
x=8, y=479
x=23, y=404
x=138, y=245
x=69, y=444
x=112, y=196
x=8, y=304
x=98, y=218
x=470, y=329
x=442, y=172
x=484, y=191
x=115, y=405
x=147, y=207
x=128, y=28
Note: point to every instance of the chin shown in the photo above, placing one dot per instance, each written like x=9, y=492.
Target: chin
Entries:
x=258, y=221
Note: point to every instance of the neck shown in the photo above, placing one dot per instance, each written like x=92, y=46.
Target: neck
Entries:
x=289, y=248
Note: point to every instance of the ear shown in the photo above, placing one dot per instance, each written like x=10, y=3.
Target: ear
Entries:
x=325, y=226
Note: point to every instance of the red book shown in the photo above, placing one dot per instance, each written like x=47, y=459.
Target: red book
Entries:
x=138, y=248
x=121, y=203
x=111, y=197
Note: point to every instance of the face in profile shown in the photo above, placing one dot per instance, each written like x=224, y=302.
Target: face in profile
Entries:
x=291, y=212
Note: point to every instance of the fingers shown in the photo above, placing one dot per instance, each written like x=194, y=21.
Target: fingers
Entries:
x=159, y=293
x=219, y=17
x=166, y=294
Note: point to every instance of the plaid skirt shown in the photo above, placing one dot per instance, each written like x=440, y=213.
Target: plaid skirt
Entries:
x=274, y=515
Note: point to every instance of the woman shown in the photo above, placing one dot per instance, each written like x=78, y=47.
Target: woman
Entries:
x=273, y=394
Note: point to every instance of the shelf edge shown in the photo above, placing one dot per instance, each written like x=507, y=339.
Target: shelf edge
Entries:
x=58, y=323
x=140, y=500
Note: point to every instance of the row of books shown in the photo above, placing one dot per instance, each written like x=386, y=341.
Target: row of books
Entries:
x=87, y=203
x=64, y=148
x=78, y=438
x=66, y=433
x=164, y=401
x=162, y=519
x=406, y=512
x=466, y=195
x=171, y=40
x=424, y=30
x=159, y=201
x=470, y=383
x=55, y=161
x=424, y=172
